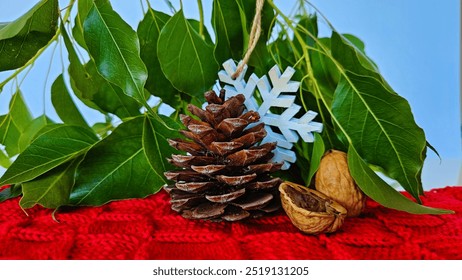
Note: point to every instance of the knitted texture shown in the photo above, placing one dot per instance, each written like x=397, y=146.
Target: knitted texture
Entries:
x=149, y=229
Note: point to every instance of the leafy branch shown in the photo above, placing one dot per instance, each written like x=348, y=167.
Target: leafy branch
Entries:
x=175, y=59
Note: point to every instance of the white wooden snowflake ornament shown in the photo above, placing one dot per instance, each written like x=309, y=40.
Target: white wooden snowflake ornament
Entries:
x=271, y=92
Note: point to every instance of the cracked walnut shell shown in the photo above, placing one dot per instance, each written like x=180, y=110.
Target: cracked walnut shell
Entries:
x=334, y=180
x=311, y=211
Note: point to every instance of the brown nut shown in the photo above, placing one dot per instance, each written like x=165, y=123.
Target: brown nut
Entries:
x=334, y=180
x=311, y=211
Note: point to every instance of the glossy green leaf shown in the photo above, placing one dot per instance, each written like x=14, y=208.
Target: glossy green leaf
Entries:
x=148, y=32
x=156, y=147
x=83, y=8
x=21, y=39
x=114, y=46
x=354, y=60
x=64, y=105
x=195, y=24
x=381, y=128
x=52, y=189
x=10, y=192
x=355, y=41
x=59, y=144
x=374, y=187
x=14, y=124
x=117, y=168
x=110, y=98
x=5, y=161
x=11, y=29
x=185, y=58
x=229, y=35
x=102, y=129
x=30, y=133
x=324, y=69
x=316, y=155
x=93, y=90
x=84, y=85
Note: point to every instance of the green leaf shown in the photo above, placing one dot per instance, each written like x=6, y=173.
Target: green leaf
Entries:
x=316, y=155
x=355, y=41
x=59, y=144
x=156, y=147
x=381, y=128
x=308, y=26
x=21, y=39
x=14, y=124
x=324, y=69
x=30, y=133
x=148, y=32
x=83, y=8
x=117, y=167
x=354, y=60
x=4, y=159
x=157, y=84
x=10, y=192
x=195, y=24
x=83, y=83
x=93, y=90
x=102, y=129
x=110, y=98
x=64, y=105
x=114, y=46
x=228, y=32
x=52, y=189
x=186, y=59
x=374, y=187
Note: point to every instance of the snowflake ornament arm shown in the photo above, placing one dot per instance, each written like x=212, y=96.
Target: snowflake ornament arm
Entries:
x=271, y=91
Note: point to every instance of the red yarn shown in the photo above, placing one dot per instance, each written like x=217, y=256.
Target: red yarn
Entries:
x=148, y=229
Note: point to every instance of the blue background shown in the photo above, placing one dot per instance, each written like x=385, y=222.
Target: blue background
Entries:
x=415, y=43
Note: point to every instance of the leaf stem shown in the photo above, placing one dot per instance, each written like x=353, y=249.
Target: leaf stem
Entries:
x=201, y=18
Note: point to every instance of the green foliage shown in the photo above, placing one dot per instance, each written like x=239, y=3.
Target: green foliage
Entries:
x=228, y=36
x=64, y=105
x=374, y=187
x=14, y=124
x=114, y=69
x=114, y=46
x=381, y=128
x=93, y=90
x=57, y=145
x=118, y=166
x=148, y=32
x=185, y=57
x=21, y=39
x=51, y=189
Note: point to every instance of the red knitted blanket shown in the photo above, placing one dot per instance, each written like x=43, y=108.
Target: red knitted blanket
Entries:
x=148, y=229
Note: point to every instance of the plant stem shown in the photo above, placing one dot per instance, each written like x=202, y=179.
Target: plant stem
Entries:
x=170, y=5
x=201, y=18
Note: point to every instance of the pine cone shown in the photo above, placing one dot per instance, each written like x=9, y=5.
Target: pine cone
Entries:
x=225, y=173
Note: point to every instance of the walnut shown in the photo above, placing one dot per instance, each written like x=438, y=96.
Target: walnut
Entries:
x=311, y=211
x=334, y=180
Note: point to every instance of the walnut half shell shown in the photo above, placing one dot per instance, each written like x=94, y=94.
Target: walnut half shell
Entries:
x=311, y=211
